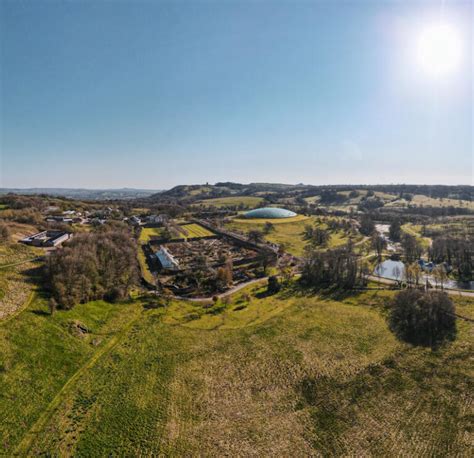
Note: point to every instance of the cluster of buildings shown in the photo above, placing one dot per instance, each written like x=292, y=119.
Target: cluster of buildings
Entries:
x=428, y=267
x=47, y=238
x=149, y=220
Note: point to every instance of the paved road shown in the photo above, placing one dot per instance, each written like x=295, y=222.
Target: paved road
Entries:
x=387, y=281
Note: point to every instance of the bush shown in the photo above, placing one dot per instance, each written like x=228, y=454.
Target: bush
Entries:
x=273, y=285
x=4, y=233
x=423, y=318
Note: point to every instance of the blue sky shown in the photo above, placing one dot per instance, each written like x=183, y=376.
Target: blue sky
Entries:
x=151, y=94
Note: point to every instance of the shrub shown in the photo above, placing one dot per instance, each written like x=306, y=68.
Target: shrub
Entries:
x=273, y=285
x=423, y=318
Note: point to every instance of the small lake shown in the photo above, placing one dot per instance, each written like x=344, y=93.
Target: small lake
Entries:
x=394, y=270
x=453, y=284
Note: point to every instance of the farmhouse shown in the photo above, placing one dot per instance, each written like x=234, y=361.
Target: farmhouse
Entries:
x=47, y=238
x=157, y=219
x=59, y=219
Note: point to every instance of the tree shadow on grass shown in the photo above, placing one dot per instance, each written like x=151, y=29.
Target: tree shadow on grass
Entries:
x=40, y=312
x=297, y=289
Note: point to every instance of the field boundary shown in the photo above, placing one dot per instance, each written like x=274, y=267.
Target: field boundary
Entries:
x=20, y=309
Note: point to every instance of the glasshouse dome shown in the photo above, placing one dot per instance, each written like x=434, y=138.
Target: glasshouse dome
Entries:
x=269, y=212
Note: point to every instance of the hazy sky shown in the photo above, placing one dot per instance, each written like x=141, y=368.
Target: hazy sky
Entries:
x=150, y=94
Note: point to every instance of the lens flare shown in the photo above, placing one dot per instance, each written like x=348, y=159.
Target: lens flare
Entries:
x=439, y=50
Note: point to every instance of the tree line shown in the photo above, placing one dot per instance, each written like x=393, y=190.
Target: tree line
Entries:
x=337, y=268
x=98, y=265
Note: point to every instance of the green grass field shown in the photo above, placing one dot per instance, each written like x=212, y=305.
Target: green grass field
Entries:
x=144, y=269
x=191, y=231
x=15, y=277
x=148, y=232
x=222, y=202
x=415, y=230
x=425, y=201
x=194, y=230
x=287, y=232
x=287, y=375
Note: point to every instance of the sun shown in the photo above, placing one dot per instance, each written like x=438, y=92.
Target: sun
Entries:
x=439, y=50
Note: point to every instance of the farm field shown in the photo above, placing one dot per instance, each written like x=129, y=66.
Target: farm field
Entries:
x=246, y=201
x=190, y=231
x=287, y=232
x=148, y=232
x=195, y=230
x=284, y=375
x=421, y=200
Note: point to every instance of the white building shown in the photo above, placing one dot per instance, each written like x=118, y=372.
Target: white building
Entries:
x=166, y=259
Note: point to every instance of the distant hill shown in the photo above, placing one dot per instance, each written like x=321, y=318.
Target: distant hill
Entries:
x=84, y=194
x=273, y=191
x=225, y=189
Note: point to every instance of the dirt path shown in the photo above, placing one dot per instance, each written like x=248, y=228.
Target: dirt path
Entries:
x=224, y=294
x=19, y=263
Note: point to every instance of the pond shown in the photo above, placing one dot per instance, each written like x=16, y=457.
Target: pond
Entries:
x=394, y=270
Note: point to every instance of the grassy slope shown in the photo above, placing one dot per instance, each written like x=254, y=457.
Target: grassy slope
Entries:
x=15, y=273
x=38, y=354
x=288, y=231
x=284, y=375
x=415, y=230
x=422, y=200
x=221, y=202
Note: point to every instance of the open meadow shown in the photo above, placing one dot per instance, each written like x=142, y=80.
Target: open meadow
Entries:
x=290, y=374
x=189, y=231
x=289, y=232
x=222, y=202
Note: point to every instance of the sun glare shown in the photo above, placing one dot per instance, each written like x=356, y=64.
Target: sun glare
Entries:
x=438, y=50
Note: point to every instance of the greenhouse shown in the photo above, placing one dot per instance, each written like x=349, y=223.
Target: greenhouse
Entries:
x=269, y=213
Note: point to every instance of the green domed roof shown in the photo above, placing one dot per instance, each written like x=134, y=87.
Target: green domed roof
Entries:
x=269, y=212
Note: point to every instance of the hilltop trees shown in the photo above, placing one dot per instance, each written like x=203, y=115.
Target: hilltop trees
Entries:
x=423, y=318
x=378, y=244
x=255, y=236
x=395, y=230
x=412, y=247
x=316, y=236
x=99, y=265
x=332, y=268
x=457, y=252
x=367, y=226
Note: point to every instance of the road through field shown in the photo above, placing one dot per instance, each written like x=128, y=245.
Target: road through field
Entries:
x=388, y=281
